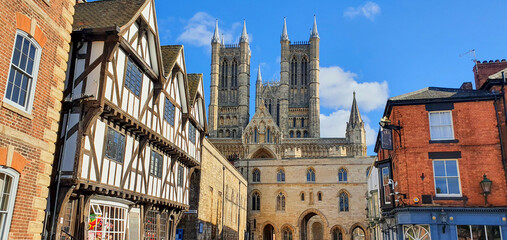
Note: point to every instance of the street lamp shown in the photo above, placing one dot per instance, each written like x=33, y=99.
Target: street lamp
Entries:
x=386, y=124
x=486, y=188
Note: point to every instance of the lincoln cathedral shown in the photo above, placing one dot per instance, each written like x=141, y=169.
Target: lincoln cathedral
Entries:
x=300, y=186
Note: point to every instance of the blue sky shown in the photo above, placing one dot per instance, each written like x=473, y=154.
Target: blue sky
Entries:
x=379, y=49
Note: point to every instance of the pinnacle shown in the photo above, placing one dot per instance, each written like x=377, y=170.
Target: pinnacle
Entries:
x=244, y=35
x=285, y=35
x=216, y=35
x=315, y=33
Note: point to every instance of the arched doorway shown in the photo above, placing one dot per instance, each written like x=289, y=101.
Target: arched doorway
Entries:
x=358, y=234
x=311, y=225
x=268, y=233
x=317, y=231
x=262, y=153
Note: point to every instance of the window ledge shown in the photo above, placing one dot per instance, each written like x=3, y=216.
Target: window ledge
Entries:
x=17, y=110
x=444, y=141
x=463, y=198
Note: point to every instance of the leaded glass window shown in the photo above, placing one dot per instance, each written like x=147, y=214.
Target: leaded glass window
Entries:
x=280, y=202
x=191, y=133
x=115, y=145
x=280, y=176
x=156, y=164
x=342, y=175
x=133, y=77
x=180, y=175
x=169, y=109
x=310, y=175
x=344, y=202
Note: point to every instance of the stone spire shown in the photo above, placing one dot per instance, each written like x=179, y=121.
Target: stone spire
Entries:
x=244, y=35
x=315, y=33
x=216, y=35
x=285, y=36
x=259, y=76
x=355, y=116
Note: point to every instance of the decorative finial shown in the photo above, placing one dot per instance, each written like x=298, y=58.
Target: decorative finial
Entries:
x=285, y=36
x=315, y=33
x=216, y=35
x=244, y=35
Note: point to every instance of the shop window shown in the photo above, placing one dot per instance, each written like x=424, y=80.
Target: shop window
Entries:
x=107, y=220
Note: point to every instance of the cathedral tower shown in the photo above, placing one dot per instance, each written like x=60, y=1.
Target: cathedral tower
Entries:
x=299, y=86
x=230, y=87
x=356, y=135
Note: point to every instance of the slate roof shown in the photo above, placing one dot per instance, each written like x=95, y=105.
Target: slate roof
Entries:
x=169, y=55
x=193, y=84
x=106, y=13
x=442, y=93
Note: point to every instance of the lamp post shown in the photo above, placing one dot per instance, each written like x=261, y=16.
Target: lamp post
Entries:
x=486, y=188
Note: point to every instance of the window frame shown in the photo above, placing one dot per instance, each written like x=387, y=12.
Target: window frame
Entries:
x=435, y=177
x=342, y=175
x=123, y=144
x=310, y=178
x=14, y=175
x=192, y=135
x=258, y=179
x=430, y=125
x=167, y=116
x=160, y=166
x=35, y=72
x=280, y=175
x=181, y=179
x=111, y=204
x=346, y=205
x=127, y=86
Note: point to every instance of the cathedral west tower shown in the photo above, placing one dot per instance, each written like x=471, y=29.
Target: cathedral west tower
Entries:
x=230, y=86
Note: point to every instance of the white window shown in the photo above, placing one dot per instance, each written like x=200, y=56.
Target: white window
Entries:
x=8, y=187
x=477, y=232
x=446, y=176
x=23, y=72
x=416, y=232
x=107, y=220
x=441, y=125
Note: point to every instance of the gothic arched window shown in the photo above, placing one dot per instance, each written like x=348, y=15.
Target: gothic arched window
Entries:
x=268, y=134
x=294, y=122
x=234, y=80
x=256, y=202
x=304, y=71
x=287, y=233
x=319, y=196
x=298, y=134
x=291, y=133
x=256, y=176
x=234, y=133
x=255, y=135
x=280, y=202
x=344, y=202
x=337, y=234
x=302, y=196
x=294, y=70
x=223, y=80
x=280, y=176
x=342, y=175
x=310, y=175
x=302, y=122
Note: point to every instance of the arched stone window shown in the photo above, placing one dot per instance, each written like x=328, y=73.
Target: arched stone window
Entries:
x=228, y=121
x=256, y=202
x=221, y=133
x=304, y=71
x=256, y=176
x=234, y=81
x=255, y=135
x=344, y=201
x=298, y=134
x=294, y=122
x=342, y=175
x=223, y=79
x=310, y=175
x=305, y=134
x=280, y=176
x=227, y=133
x=302, y=196
x=302, y=122
x=280, y=202
x=294, y=70
x=291, y=133
x=234, y=133
x=358, y=234
x=319, y=196
x=337, y=234
x=287, y=233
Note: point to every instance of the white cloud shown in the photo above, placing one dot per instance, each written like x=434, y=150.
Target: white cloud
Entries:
x=199, y=30
x=335, y=125
x=337, y=85
x=368, y=10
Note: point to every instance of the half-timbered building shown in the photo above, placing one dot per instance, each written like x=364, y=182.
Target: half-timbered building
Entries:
x=132, y=127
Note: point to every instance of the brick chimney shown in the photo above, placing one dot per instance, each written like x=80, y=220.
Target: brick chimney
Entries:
x=485, y=69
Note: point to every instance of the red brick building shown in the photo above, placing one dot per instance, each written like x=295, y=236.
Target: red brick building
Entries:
x=432, y=156
x=34, y=42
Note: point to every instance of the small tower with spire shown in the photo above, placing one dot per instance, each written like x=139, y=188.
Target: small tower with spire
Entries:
x=215, y=59
x=356, y=135
x=258, y=89
x=314, y=81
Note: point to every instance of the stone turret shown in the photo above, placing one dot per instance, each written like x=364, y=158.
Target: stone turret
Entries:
x=284, y=80
x=356, y=134
x=314, y=82
x=213, y=105
x=244, y=80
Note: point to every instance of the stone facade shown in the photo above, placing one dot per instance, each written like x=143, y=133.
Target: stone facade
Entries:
x=300, y=186
x=221, y=218
x=28, y=127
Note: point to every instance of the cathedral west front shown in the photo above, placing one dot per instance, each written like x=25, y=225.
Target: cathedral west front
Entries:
x=300, y=186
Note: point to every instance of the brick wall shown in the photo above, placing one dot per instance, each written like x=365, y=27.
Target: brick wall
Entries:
x=475, y=128
x=483, y=70
x=27, y=140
